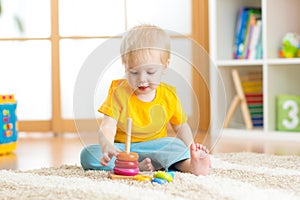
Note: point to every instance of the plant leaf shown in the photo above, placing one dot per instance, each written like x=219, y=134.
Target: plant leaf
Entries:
x=0, y=8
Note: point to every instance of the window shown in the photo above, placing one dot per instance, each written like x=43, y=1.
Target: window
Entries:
x=33, y=55
x=103, y=20
x=25, y=64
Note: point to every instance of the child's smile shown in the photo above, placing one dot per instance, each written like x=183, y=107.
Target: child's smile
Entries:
x=143, y=88
x=145, y=77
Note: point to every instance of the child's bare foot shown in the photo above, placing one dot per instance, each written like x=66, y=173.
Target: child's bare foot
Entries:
x=146, y=165
x=200, y=159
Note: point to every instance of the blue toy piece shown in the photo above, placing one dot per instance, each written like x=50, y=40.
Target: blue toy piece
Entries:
x=171, y=173
x=159, y=181
x=8, y=123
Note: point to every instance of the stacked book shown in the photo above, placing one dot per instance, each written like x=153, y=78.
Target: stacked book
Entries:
x=248, y=34
x=252, y=87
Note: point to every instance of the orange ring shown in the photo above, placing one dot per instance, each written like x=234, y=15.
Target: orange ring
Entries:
x=131, y=156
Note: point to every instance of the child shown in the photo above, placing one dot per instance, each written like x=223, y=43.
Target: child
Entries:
x=151, y=104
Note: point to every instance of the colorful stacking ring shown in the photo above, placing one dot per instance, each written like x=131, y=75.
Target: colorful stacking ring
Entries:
x=131, y=156
x=164, y=175
x=126, y=164
x=126, y=172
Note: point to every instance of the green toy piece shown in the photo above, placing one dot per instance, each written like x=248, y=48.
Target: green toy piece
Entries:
x=163, y=175
x=289, y=45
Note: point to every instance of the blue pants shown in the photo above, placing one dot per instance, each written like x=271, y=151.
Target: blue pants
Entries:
x=163, y=152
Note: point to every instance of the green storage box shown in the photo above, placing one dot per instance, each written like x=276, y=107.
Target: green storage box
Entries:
x=288, y=113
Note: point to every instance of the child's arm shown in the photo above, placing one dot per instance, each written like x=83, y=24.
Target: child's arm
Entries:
x=184, y=133
x=107, y=132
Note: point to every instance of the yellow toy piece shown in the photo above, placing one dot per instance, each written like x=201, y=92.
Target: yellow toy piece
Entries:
x=163, y=175
x=138, y=177
x=7, y=148
x=7, y=99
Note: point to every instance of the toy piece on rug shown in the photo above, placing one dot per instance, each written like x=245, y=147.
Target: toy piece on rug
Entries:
x=161, y=177
x=138, y=177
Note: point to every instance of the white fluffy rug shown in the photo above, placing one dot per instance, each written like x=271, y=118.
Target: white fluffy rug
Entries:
x=233, y=176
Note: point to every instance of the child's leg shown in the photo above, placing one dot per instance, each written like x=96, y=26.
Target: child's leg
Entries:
x=199, y=164
x=90, y=158
x=163, y=152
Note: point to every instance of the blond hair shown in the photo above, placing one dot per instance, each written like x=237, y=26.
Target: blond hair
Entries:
x=140, y=41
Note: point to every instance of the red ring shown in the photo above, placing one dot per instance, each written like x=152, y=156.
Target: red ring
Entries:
x=126, y=172
x=126, y=164
x=131, y=156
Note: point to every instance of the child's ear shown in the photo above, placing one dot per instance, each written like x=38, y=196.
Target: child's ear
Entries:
x=167, y=63
x=166, y=66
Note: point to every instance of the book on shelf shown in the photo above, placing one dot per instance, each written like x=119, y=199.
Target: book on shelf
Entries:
x=248, y=34
x=240, y=33
x=255, y=47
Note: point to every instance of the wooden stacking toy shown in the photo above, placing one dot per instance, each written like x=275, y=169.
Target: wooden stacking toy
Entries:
x=127, y=166
x=126, y=163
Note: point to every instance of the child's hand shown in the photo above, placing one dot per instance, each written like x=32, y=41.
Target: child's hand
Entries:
x=107, y=155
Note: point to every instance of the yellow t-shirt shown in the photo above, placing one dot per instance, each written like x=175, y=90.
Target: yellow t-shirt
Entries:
x=149, y=119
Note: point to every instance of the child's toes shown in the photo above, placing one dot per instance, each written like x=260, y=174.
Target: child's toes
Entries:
x=193, y=147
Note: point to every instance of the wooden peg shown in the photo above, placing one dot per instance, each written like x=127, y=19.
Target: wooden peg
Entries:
x=128, y=135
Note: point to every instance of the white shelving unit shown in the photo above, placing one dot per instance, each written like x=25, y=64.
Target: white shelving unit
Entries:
x=280, y=76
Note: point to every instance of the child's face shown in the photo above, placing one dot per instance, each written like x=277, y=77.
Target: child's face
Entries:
x=145, y=77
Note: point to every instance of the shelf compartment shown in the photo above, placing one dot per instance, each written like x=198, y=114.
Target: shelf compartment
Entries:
x=226, y=74
x=280, y=81
x=282, y=17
